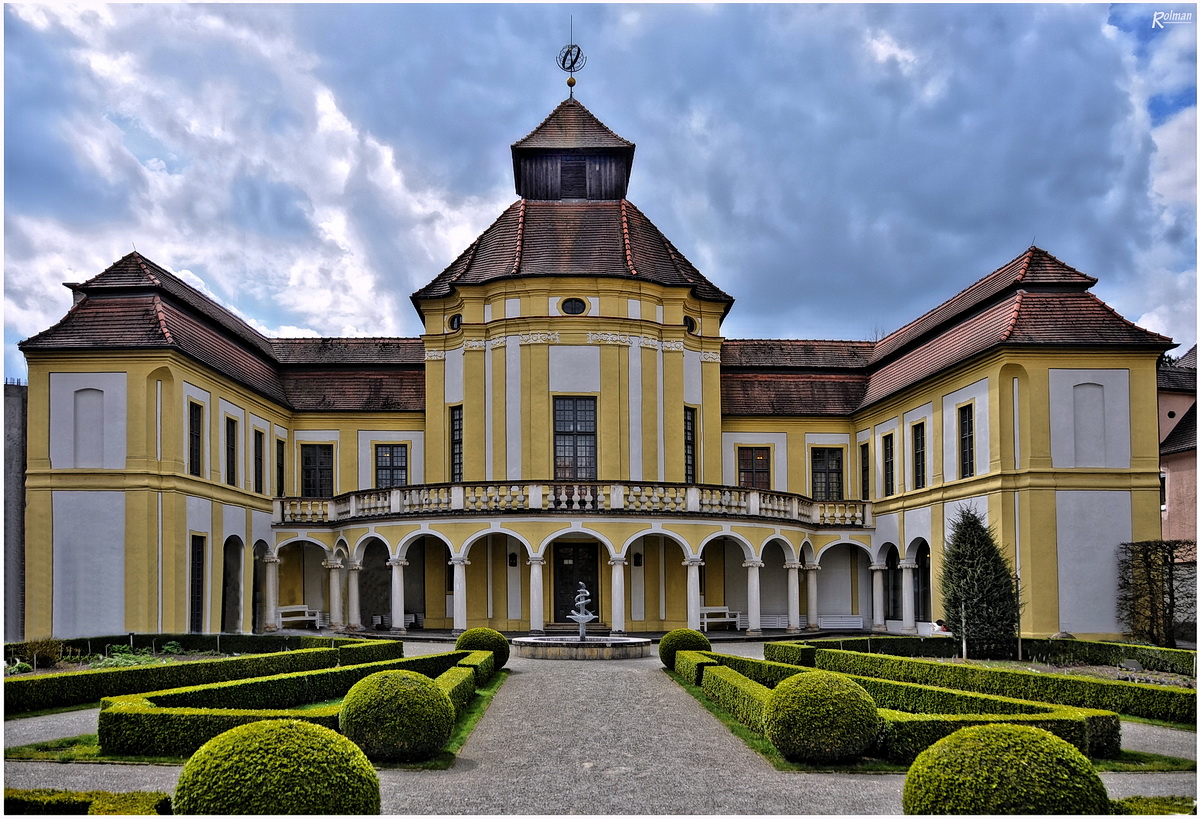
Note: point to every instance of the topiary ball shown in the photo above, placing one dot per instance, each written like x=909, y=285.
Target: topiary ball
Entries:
x=278, y=766
x=397, y=716
x=1003, y=769
x=820, y=716
x=484, y=639
x=681, y=639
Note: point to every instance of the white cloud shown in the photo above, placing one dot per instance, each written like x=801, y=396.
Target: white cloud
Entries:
x=1175, y=159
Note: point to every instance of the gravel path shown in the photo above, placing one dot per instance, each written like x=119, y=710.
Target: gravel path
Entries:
x=567, y=737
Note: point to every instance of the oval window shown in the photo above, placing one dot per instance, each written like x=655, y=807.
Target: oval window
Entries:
x=689, y=324
x=455, y=321
x=574, y=307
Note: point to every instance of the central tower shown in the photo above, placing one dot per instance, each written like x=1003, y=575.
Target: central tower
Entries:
x=572, y=155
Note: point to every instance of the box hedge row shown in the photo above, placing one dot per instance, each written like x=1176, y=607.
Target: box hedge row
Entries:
x=178, y=721
x=22, y=694
x=1134, y=699
x=46, y=802
x=225, y=643
x=906, y=731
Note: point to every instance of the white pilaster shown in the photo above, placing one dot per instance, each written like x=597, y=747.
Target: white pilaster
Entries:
x=537, y=620
x=353, y=614
x=878, y=615
x=335, y=592
x=618, y=594
x=271, y=581
x=693, y=591
x=813, y=617
x=460, y=565
x=793, y=578
x=908, y=600
x=398, y=594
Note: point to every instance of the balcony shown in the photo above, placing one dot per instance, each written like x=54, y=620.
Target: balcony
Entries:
x=591, y=498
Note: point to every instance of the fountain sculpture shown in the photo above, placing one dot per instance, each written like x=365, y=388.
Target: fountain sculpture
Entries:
x=581, y=615
x=583, y=647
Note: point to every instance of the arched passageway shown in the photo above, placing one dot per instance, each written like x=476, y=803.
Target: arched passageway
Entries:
x=231, y=585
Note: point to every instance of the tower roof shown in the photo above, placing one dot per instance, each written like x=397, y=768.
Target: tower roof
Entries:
x=570, y=125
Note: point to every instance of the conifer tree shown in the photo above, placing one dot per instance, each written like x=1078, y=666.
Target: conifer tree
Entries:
x=979, y=593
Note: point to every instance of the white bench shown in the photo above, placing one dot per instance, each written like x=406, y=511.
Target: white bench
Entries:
x=286, y=615
x=840, y=621
x=717, y=614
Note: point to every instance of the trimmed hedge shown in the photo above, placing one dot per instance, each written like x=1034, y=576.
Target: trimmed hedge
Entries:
x=820, y=717
x=176, y=722
x=484, y=665
x=904, y=732
x=399, y=716
x=47, y=802
x=1003, y=770
x=900, y=646
x=227, y=643
x=1135, y=699
x=485, y=639
x=357, y=652
x=278, y=767
x=680, y=639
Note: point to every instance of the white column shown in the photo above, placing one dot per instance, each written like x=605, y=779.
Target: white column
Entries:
x=753, y=597
x=908, y=601
x=271, y=593
x=693, y=592
x=793, y=575
x=813, y=617
x=353, y=614
x=537, y=620
x=878, y=615
x=335, y=592
x=460, y=565
x=618, y=594
x=398, y=565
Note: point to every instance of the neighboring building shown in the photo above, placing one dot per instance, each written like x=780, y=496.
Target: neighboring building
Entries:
x=14, y=507
x=1177, y=446
x=572, y=414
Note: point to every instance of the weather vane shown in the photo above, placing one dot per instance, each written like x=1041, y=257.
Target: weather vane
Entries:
x=571, y=59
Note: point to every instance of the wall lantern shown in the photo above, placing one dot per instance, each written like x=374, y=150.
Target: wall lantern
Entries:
x=637, y=558
x=512, y=559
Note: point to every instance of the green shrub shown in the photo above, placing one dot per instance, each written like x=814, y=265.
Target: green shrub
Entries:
x=742, y=697
x=790, y=653
x=18, y=667
x=278, y=767
x=1003, y=769
x=484, y=639
x=358, y=652
x=483, y=663
x=691, y=664
x=43, y=801
x=171, y=647
x=820, y=717
x=1154, y=805
x=459, y=685
x=681, y=639
x=397, y=716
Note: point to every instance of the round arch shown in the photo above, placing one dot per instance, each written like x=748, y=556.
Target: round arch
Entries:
x=666, y=534
x=790, y=552
x=471, y=541
x=829, y=546
x=544, y=546
x=416, y=537
x=747, y=549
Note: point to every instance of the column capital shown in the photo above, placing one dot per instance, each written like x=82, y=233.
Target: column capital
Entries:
x=908, y=564
x=537, y=560
x=793, y=565
x=459, y=561
x=693, y=561
x=811, y=567
x=331, y=564
x=354, y=567
x=879, y=567
x=752, y=564
x=397, y=561
x=269, y=559
x=619, y=560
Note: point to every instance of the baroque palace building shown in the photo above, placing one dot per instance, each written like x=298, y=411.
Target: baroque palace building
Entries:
x=572, y=414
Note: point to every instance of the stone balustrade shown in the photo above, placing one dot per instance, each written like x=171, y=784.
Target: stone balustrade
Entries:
x=592, y=497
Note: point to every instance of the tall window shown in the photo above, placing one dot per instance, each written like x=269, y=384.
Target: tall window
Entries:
x=864, y=463
x=689, y=444
x=754, y=467
x=574, y=439
x=456, y=444
x=195, y=439
x=966, y=441
x=391, y=465
x=889, y=465
x=196, y=587
x=316, y=470
x=232, y=452
x=280, y=451
x=827, y=473
x=918, y=450
x=260, y=443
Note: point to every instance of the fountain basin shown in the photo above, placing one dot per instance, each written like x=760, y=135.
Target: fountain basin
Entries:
x=572, y=648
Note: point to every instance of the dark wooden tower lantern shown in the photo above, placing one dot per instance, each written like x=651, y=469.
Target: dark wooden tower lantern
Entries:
x=572, y=155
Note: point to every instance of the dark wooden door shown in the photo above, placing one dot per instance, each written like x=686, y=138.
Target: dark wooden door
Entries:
x=575, y=563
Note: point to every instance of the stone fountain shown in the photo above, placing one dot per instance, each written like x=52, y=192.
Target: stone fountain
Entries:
x=581, y=647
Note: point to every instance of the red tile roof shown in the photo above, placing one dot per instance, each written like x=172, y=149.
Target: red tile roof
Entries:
x=359, y=390
x=794, y=353
x=570, y=125
x=784, y=393
x=1182, y=437
x=561, y=238
x=341, y=351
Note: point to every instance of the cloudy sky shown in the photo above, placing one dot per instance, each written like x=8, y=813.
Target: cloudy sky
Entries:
x=838, y=169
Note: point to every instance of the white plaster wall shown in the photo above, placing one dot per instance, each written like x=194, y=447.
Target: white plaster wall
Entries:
x=513, y=580
x=887, y=530
x=736, y=597
x=366, y=457
x=574, y=368
x=635, y=308
x=512, y=411
x=834, y=583
x=487, y=312
x=454, y=376
x=233, y=523
x=693, y=380
x=1091, y=524
x=950, y=512
x=260, y=529
x=512, y=308
x=772, y=581
x=637, y=583
x=62, y=417
x=918, y=524
x=1115, y=384
x=89, y=563
x=977, y=392
x=730, y=441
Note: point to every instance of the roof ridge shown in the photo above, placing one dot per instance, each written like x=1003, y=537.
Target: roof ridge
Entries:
x=1013, y=315
x=625, y=237
x=569, y=102
x=142, y=263
x=519, y=244
x=1112, y=310
x=162, y=319
x=1026, y=258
